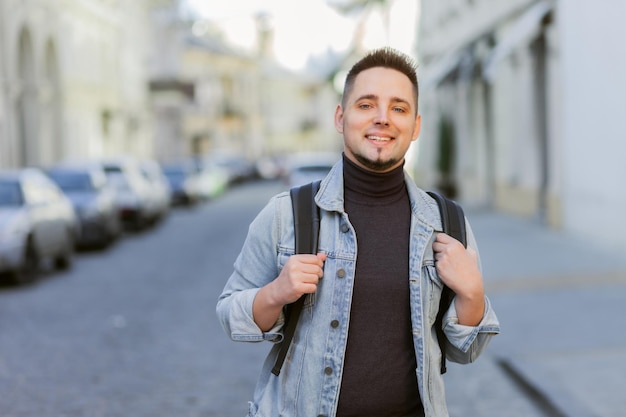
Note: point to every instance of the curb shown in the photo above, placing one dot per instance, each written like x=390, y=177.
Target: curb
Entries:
x=540, y=388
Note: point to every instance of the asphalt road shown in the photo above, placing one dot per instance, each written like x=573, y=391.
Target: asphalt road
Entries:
x=132, y=331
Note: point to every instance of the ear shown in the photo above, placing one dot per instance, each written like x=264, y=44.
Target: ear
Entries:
x=339, y=118
x=417, y=128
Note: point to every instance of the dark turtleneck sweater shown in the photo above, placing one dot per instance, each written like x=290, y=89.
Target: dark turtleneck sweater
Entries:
x=379, y=376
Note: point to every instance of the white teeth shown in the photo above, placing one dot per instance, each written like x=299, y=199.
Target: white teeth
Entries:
x=379, y=138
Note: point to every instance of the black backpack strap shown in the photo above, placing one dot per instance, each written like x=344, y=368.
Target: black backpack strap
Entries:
x=452, y=217
x=453, y=224
x=306, y=220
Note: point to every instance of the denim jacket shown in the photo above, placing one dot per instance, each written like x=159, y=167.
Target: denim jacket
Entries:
x=309, y=382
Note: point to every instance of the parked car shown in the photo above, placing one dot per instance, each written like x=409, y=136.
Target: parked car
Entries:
x=133, y=201
x=210, y=179
x=88, y=189
x=303, y=168
x=183, y=182
x=194, y=180
x=237, y=167
x=158, y=189
x=37, y=222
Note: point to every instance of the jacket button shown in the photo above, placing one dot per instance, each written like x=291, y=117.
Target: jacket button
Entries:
x=341, y=273
x=334, y=324
x=328, y=370
x=344, y=228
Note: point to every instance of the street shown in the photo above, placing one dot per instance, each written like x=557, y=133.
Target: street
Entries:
x=132, y=331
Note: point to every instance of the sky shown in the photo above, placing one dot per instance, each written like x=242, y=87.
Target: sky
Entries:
x=307, y=28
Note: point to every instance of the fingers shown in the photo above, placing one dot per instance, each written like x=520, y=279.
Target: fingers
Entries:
x=444, y=242
x=444, y=238
x=312, y=269
x=301, y=275
x=456, y=266
x=309, y=264
x=441, y=242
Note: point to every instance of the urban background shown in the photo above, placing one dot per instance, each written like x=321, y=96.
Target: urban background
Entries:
x=179, y=126
x=521, y=99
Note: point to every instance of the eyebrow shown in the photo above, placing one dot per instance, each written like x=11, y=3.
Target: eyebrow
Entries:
x=375, y=97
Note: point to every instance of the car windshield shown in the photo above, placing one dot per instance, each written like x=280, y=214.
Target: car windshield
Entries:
x=175, y=173
x=174, y=170
x=118, y=180
x=72, y=181
x=10, y=194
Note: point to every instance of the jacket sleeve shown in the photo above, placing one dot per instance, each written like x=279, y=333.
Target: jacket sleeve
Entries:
x=255, y=266
x=466, y=343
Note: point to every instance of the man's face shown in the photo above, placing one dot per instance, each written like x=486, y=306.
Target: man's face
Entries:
x=379, y=120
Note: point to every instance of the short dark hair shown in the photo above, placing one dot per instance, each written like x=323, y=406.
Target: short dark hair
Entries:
x=386, y=57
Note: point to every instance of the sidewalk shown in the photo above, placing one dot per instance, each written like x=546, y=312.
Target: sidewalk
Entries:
x=561, y=303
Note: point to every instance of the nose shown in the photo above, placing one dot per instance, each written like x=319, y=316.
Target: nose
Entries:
x=381, y=118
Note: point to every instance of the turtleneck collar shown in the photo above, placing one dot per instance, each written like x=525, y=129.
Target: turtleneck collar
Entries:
x=363, y=184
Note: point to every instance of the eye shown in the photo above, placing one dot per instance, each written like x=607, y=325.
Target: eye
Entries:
x=399, y=110
x=365, y=106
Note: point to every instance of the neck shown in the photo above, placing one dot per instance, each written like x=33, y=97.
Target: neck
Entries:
x=369, y=184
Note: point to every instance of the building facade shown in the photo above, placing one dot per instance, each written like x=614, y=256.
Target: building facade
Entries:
x=83, y=79
x=209, y=97
x=74, y=81
x=524, y=96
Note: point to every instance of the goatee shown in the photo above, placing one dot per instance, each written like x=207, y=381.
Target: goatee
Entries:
x=377, y=165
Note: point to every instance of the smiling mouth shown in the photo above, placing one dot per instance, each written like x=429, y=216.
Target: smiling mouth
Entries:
x=378, y=138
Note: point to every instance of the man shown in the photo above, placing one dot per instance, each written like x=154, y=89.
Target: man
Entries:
x=365, y=344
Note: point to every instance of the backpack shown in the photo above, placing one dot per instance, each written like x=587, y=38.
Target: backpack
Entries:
x=306, y=230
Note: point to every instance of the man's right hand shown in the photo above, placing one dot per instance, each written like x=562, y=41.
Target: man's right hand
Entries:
x=300, y=275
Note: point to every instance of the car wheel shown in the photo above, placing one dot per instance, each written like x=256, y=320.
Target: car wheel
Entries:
x=29, y=270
